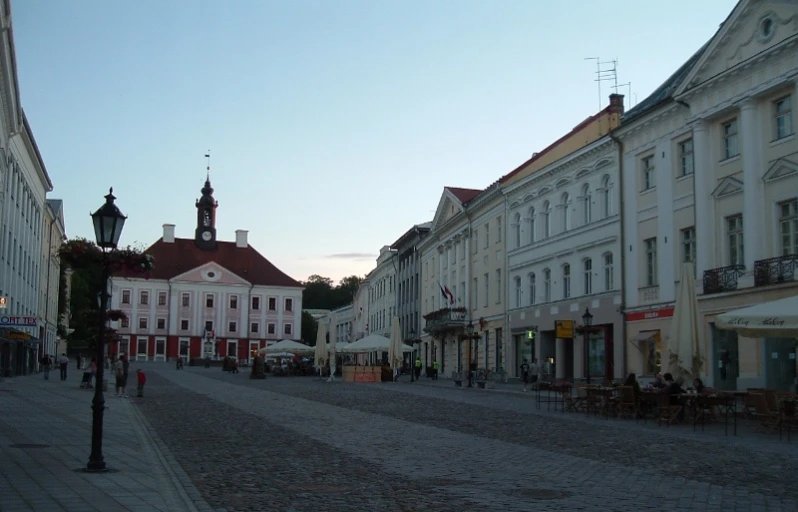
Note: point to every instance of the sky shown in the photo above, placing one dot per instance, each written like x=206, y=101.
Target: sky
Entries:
x=333, y=126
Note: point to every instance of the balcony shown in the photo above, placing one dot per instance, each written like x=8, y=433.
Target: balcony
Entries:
x=648, y=294
x=446, y=319
x=781, y=269
x=723, y=279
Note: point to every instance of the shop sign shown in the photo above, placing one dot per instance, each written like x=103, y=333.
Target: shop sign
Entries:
x=18, y=321
x=564, y=329
x=649, y=315
x=19, y=336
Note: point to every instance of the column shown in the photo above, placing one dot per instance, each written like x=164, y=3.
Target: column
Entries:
x=753, y=191
x=459, y=293
x=705, y=222
x=559, y=361
x=436, y=286
x=667, y=270
x=467, y=291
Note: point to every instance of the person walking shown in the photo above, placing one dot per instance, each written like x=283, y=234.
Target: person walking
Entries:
x=435, y=367
x=525, y=373
x=63, y=362
x=121, y=377
x=45, y=362
x=141, y=379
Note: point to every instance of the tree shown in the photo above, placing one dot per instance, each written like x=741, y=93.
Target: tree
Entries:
x=309, y=328
x=321, y=294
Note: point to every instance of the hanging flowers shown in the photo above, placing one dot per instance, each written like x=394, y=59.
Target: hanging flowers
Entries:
x=80, y=253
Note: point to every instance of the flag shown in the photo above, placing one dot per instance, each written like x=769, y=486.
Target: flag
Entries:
x=443, y=292
x=449, y=294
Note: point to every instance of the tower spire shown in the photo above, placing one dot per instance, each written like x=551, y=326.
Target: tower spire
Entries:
x=208, y=167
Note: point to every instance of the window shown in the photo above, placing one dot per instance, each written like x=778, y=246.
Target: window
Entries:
x=788, y=219
x=688, y=245
x=587, y=212
x=144, y=297
x=652, y=350
x=255, y=303
x=208, y=325
x=272, y=304
x=783, y=113
x=183, y=325
x=546, y=219
x=547, y=285
x=605, y=191
x=474, y=292
x=232, y=326
x=649, y=173
x=287, y=329
x=531, y=223
x=125, y=296
x=253, y=327
x=566, y=216
x=686, y=157
x=125, y=322
x=532, y=289
x=498, y=286
x=734, y=233
x=588, y=270
x=185, y=299
x=142, y=323
x=209, y=300
x=160, y=323
x=498, y=229
x=651, y=261
x=517, y=229
x=609, y=274
x=270, y=328
x=234, y=302
x=730, y=149
x=487, y=291
x=289, y=304
x=566, y=281
x=518, y=292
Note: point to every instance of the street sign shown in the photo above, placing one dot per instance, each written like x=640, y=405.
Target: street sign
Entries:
x=18, y=321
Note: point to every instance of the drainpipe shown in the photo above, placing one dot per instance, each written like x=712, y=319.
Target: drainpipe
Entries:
x=623, y=245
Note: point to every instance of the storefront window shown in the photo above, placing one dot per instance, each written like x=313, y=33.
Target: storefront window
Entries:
x=524, y=349
x=652, y=353
x=596, y=354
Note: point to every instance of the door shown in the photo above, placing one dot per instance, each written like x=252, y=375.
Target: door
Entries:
x=160, y=349
x=725, y=359
x=141, y=349
x=185, y=349
x=232, y=349
x=780, y=364
x=253, y=350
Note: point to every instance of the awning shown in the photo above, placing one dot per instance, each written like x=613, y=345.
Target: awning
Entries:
x=646, y=336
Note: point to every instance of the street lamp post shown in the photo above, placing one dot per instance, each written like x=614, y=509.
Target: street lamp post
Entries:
x=412, y=355
x=587, y=320
x=108, y=222
x=471, y=336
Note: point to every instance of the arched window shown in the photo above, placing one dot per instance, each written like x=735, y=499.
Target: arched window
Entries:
x=518, y=292
x=546, y=219
x=587, y=212
x=532, y=288
x=588, y=277
x=517, y=228
x=566, y=281
x=609, y=273
x=566, y=218
x=606, y=199
x=547, y=285
x=531, y=223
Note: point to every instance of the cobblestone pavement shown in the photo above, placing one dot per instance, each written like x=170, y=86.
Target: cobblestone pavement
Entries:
x=402, y=447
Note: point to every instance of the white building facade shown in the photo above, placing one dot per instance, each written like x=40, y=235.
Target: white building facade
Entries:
x=382, y=293
x=340, y=324
x=564, y=244
x=711, y=178
x=360, y=310
x=50, y=273
x=408, y=291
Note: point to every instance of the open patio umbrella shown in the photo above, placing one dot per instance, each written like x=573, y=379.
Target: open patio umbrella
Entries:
x=776, y=319
x=320, y=354
x=686, y=337
x=287, y=346
x=395, y=351
x=372, y=343
x=331, y=348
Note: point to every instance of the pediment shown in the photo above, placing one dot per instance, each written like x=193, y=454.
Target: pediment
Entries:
x=562, y=183
x=528, y=198
x=781, y=168
x=604, y=162
x=582, y=173
x=447, y=208
x=210, y=273
x=515, y=204
x=543, y=190
x=753, y=27
x=728, y=186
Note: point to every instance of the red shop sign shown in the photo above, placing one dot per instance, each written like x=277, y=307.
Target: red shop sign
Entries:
x=649, y=315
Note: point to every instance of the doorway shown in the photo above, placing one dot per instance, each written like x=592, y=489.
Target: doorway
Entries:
x=725, y=359
x=141, y=349
x=232, y=349
x=185, y=349
x=780, y=364
x=160, y=349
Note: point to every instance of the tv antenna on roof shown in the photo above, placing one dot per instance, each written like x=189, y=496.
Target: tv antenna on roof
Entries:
x=629, y=86
x=606, y=71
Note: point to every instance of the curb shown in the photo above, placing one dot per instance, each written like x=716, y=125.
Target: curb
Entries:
x=183, y=495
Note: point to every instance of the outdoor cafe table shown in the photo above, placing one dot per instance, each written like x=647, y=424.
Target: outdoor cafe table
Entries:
x=553, y=395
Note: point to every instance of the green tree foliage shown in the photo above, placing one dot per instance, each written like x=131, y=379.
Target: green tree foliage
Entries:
x=321, y=293
x=309, y=328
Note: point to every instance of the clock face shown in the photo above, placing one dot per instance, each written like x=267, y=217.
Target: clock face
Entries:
x=206, y=235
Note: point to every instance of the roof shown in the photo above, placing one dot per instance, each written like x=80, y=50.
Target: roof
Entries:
x=418, y=228
x=173, y=259
x=55, y=205
x=463, y=195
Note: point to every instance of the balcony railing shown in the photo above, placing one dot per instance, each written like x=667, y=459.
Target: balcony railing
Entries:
x=781, y=269
x=445, y=319
x=723, y=279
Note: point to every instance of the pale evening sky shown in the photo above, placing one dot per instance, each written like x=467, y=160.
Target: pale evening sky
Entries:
x=333, y=126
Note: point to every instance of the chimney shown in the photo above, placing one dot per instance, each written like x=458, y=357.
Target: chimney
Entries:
x=241, y=238
x=168, y=233
x=616, y=103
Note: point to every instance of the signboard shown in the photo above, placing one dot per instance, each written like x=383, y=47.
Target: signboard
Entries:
x=3, y=302
x=18, y=321
x=530, y=335
x=649, y=315
x=21, y=336
x=365, y=377
x=564, y=329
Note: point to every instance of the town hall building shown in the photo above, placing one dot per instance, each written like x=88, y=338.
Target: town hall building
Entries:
x=205, y=297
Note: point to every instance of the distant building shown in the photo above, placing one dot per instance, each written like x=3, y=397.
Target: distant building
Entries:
x=409, y=270
x=206, y=297
x=54, y=234
x=382, y=293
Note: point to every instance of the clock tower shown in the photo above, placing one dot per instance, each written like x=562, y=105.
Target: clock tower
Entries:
x=205, y=234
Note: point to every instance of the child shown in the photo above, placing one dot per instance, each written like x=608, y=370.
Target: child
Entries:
x=141, y=378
